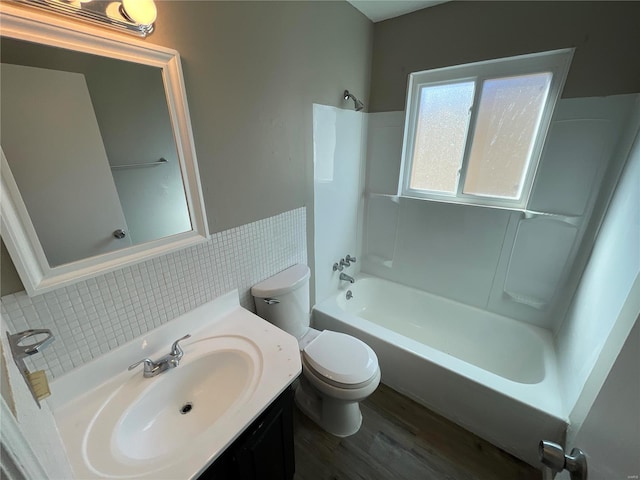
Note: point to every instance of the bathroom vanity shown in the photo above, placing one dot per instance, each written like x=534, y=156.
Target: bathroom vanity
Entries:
x=224, y=412
x=264, y=451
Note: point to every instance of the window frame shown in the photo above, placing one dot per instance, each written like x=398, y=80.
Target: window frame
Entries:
x=556, y=62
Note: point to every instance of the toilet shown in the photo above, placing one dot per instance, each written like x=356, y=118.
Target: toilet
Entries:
x=338, y=370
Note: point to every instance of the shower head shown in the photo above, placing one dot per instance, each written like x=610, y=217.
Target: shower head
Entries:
x=357, y=104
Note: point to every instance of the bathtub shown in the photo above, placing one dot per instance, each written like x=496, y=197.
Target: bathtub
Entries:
x=492, y=375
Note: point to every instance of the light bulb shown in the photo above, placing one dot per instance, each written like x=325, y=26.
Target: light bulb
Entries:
x=142, y=12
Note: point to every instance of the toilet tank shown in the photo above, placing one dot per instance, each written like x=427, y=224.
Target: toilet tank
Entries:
x=283, y=300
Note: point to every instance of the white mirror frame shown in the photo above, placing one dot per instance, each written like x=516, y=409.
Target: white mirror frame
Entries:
x=18, y=232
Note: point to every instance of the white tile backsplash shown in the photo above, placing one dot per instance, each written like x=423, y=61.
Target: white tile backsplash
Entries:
x=92, y=317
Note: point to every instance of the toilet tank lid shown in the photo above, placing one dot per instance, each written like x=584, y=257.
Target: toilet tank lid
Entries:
x=283, y=282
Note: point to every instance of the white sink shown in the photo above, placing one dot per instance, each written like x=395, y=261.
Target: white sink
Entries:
x=175, y=424
x=151, y=421
x=181, y=405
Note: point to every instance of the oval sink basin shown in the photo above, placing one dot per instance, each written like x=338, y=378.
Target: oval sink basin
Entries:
x=181, y=404
x=150, y=421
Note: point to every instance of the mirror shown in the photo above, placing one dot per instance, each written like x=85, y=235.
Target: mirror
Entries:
x=98, y=165
x=79, y=167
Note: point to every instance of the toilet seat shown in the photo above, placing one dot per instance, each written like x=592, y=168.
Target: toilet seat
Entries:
x=341, y=360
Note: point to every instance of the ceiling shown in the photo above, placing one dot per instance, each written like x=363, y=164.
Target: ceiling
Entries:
x=378, y=10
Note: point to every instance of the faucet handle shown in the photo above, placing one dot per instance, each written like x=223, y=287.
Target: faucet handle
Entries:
x=148, y=364
x=176, y=351
x=349, y=258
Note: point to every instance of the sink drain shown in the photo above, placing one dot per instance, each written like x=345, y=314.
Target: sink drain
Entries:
x=186, y=408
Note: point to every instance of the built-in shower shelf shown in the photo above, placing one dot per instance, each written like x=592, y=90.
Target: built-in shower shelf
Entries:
x=161, y=161
x=538, y=259
x=393, y=198
x=379, y=260
x=527, y=300
x=574, y=220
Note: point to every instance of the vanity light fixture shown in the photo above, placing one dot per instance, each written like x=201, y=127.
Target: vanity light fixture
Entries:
x=130, y=16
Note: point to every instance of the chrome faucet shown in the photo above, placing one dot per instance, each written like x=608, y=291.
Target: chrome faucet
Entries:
x=344, y=262
x=170, y=360
x=344, y=276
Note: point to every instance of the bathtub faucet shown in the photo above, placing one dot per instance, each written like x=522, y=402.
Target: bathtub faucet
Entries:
x=344, y=276
x=347, y=261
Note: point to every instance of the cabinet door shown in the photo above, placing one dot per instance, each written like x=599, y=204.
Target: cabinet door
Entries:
x=264, y=451
x=267, y=452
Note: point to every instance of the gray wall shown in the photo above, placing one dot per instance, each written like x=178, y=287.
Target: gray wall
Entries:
x=9, y=280
x=605, y=34
x=252, y=72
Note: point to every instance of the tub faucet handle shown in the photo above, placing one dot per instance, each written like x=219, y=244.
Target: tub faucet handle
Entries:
x=349, y=258
x=337, y=267
x=344, y=262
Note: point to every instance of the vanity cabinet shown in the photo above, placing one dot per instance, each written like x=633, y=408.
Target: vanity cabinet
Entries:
x=264, y=451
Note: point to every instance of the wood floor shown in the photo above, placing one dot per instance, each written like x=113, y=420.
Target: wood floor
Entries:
x=401, y=440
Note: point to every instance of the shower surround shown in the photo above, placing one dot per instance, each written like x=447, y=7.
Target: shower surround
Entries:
x=503, y=272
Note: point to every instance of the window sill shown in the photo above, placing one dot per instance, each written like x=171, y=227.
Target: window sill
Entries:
x=574, y=220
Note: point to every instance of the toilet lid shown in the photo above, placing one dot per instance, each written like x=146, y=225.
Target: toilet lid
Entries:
x=341, y=358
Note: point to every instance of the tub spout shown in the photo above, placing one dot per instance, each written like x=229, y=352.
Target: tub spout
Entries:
x=344, y=276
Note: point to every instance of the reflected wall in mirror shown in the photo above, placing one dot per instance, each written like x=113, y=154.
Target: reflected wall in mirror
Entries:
x=98, y=157
x=81, y=169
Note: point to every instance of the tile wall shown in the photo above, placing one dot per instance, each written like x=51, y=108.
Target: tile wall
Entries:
x=92, y=317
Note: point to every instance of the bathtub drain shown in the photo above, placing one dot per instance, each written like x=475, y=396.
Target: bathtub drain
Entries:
x=186, y=408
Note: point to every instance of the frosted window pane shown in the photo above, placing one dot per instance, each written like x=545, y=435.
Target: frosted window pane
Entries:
x=507, y=123
x=443, y=120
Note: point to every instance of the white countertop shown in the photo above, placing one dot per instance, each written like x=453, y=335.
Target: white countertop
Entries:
x=79, y=397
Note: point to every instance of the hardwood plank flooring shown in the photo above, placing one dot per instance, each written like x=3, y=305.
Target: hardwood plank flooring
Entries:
x=401, y=440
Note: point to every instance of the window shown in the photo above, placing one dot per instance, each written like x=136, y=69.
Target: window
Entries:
x=474, y=132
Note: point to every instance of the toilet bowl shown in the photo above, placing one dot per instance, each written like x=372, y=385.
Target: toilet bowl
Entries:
x=338, y=370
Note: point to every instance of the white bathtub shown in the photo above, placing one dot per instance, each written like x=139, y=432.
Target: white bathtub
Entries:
x=488, y=373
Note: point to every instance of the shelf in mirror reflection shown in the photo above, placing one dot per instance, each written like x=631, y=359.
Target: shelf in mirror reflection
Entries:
x=140, y=165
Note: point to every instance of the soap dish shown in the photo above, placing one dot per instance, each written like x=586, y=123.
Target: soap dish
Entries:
x=26, y=343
